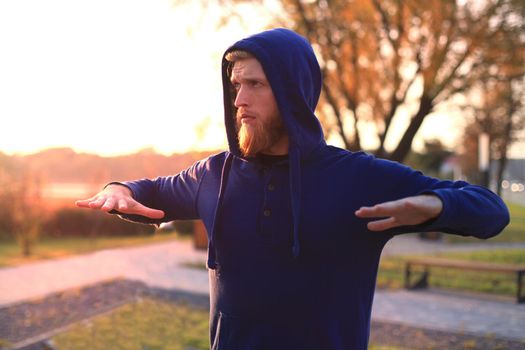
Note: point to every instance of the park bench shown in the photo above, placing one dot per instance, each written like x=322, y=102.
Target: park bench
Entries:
x=427, y=263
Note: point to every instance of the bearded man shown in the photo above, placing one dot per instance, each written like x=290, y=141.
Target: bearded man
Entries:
x=295, y=227
x=259, y=125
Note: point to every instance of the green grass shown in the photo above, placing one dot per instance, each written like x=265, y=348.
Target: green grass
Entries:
x=48, y=248
x=147, y=324
x=499, y=256
x=391, y=272
x=514, y=232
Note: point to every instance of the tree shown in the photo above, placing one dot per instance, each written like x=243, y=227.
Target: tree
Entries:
x=27, y=211
x=7, y=169
x=497, y=101
x=21, y=208
x=383, y=59
x=431, y=159
x=393, y=62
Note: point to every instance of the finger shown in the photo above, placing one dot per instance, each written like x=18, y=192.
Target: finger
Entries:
x=148, y=212
x=97, y=202
x=122, y=205
x=109, y=204
x=83, y=203
x=136, y=208
x=381, y=225
x=382, y=209
x=370, y=212
x=365, y=212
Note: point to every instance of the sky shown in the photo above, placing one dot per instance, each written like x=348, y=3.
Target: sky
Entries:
x=116, y=76
x=111, y=76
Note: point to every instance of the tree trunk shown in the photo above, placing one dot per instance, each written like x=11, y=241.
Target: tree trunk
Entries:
x=506, y=139
x=405, y=143
x=332, y=102
x=26, y=246
x=388, y=121
x=502, y=163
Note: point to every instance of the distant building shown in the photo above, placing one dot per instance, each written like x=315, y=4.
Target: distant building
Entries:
x=515, y=170
x=513, y=184
x=451, y=168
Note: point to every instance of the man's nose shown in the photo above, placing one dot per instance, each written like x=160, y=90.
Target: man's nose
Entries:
x=241, y=99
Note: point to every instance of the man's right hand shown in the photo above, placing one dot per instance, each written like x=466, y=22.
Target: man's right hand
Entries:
x=118, y=197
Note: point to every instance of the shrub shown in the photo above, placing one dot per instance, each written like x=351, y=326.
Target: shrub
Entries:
x=69, y=222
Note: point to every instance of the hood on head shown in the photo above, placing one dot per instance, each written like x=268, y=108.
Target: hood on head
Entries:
x=293, y=72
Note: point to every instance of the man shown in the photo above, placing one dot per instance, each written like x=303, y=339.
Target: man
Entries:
x=295, y=227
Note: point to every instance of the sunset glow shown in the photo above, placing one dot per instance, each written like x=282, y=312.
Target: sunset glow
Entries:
x=114, y=77
x=111, y=77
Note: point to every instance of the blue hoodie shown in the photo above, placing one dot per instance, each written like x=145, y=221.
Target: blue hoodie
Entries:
x=290, y=265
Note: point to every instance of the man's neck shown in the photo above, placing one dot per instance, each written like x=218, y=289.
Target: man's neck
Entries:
x=280, y=148
x=269, y=160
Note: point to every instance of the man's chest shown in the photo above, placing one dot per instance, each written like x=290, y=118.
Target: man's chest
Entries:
x=256, y=210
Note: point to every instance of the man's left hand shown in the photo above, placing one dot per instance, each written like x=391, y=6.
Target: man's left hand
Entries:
x=403, y=212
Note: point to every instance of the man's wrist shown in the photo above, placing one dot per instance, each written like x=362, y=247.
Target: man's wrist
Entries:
x=436, y=204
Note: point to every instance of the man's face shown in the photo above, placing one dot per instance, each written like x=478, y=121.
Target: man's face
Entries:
x=259, y=124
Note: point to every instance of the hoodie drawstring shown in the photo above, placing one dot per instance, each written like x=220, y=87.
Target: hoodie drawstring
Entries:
x=212, y=263
x=295, y=196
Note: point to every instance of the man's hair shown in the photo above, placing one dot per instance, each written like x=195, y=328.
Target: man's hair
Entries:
x=237, y=55
x=234, y=56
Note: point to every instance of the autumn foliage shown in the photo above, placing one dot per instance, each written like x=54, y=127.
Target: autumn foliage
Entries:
x=395, y=62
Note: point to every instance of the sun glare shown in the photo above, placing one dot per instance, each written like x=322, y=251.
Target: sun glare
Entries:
x=112, y=76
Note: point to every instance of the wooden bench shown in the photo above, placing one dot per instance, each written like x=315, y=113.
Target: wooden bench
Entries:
x=518, y=270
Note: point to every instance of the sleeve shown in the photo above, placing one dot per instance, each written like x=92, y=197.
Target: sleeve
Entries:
x=175, y=195
x=468, y=210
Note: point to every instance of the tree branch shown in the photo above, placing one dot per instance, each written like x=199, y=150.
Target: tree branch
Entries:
x=333, y=104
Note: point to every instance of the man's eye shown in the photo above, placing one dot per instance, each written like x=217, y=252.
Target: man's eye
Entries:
x=236, y=86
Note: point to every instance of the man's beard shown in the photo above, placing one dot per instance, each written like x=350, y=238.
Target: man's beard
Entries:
x=259, y=136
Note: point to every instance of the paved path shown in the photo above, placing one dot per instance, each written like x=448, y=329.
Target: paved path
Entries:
x=451, y=312
x=157, y=265
x=160, y=265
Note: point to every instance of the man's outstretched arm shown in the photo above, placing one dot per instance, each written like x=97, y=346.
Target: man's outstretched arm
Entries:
x=408, y=211
x=118, y=197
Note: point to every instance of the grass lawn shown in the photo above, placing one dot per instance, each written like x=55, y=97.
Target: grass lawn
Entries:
x=391, y=272
x=514, y=232
x=48, y=248
x=147, y=324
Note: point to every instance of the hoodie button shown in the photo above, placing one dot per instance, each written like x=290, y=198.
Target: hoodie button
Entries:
x=267, y=212
x=271, y=187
